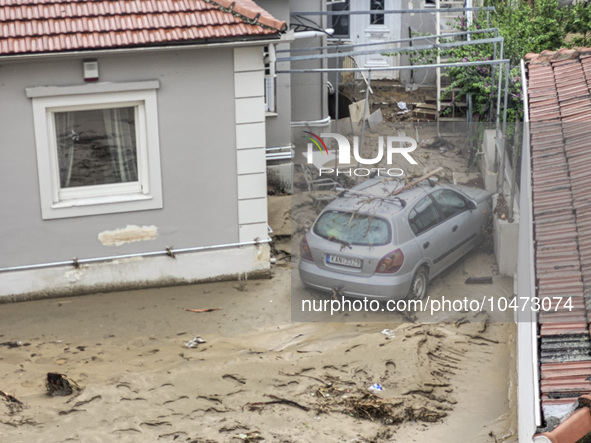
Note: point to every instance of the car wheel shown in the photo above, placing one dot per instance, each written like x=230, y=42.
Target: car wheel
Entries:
x=418, y=287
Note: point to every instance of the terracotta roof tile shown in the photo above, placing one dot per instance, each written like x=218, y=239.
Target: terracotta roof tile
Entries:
x=33, y=26
x=560, y=114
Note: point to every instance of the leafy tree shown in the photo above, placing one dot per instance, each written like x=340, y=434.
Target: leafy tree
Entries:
x=579, y=23
x=525, y=28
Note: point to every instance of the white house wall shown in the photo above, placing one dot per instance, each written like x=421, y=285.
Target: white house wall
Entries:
x=211, y=172
x=249, y=72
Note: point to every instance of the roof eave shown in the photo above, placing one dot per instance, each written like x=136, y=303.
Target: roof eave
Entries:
x=199, y=44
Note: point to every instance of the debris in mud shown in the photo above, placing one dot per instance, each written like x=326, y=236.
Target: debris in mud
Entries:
x=60, y=385
x=202, y=310
x=479, y=280
x=13, y=344
x=437, y=143
x=259, y=405
x=194, y=342
x=389, y=333
x=251, y=436
x=501, y=208
x=375, y=387
x=14, y=405
x=374, y=408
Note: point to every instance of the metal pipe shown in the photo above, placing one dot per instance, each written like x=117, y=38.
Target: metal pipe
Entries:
x=393, y=68
x=312, y=34
x=498, y=113
x=514, y=170
x=392, y=50
x=320, y=123
x=365, y=105
x=392, y=11
x=76, y=262
x=501, y=170
x=402, y=40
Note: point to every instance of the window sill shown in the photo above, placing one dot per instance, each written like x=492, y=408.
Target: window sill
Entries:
x=271, y=114
x=90, y=201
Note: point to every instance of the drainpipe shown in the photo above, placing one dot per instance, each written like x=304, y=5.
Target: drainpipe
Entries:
x=571, y=430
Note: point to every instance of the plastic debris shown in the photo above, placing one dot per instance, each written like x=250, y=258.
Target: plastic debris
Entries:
x=402, y=106
x=376, y=387
x=389, y=333
x=194, y=342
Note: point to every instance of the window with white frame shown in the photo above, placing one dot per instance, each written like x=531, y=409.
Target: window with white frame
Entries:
x=97, y=148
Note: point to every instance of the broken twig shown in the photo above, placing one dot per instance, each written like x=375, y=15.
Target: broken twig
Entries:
x=202, y=310
x=276, y=400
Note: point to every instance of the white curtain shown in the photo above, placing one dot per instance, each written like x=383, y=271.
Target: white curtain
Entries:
x=66, y=139
x=120, y=134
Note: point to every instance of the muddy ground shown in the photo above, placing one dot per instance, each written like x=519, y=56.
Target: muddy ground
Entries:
x=258, y=377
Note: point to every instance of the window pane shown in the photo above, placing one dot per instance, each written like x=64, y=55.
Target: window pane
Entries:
x=340, y=23
x=354, y=229
x=450, y=202
x=377, y=5
x=423, y=216
x=96, y=147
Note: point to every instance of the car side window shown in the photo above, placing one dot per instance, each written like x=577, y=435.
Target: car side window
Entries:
x=423, y=216
x=450, y=202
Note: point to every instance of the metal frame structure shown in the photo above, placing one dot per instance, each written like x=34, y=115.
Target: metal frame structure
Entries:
x=380, y=47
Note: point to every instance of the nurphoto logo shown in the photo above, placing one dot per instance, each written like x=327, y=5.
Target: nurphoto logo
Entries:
x=388, y=146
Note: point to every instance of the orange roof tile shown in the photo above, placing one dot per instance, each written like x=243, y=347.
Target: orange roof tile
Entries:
x=37, y=26
x=560, y=112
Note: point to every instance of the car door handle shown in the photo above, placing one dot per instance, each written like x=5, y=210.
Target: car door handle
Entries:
x=426, y=245
x=455, y=228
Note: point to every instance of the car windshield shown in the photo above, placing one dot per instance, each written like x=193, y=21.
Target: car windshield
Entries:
x=353, y=229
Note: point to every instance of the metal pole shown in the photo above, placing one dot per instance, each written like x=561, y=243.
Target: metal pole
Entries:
x=391, y=11
x=516, y=146
x=501, y=169
x=492, y=82
x=336, y=122
x=393, y=68
x=388, y=42
x=364, y=115
x=439, y=46
x=498, y=116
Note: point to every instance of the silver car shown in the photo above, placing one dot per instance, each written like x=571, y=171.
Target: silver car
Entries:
x=381, y=241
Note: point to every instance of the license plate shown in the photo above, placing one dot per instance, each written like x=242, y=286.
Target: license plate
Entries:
x=343, y=261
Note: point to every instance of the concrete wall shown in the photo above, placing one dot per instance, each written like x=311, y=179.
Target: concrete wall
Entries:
x=202, y=183
x=505, y=233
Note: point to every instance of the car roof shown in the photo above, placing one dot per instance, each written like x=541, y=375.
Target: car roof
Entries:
x=374, y=197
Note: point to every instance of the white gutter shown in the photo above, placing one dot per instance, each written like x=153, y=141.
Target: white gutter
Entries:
x=146, y=49
x=528, y=385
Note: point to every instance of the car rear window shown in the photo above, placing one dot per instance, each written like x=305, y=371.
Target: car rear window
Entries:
x=354, y=229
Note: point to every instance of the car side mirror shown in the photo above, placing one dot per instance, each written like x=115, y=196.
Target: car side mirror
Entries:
x=472, y=205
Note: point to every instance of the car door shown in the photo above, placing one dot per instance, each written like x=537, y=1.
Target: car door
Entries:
x=430, y=230
x=462, y=231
